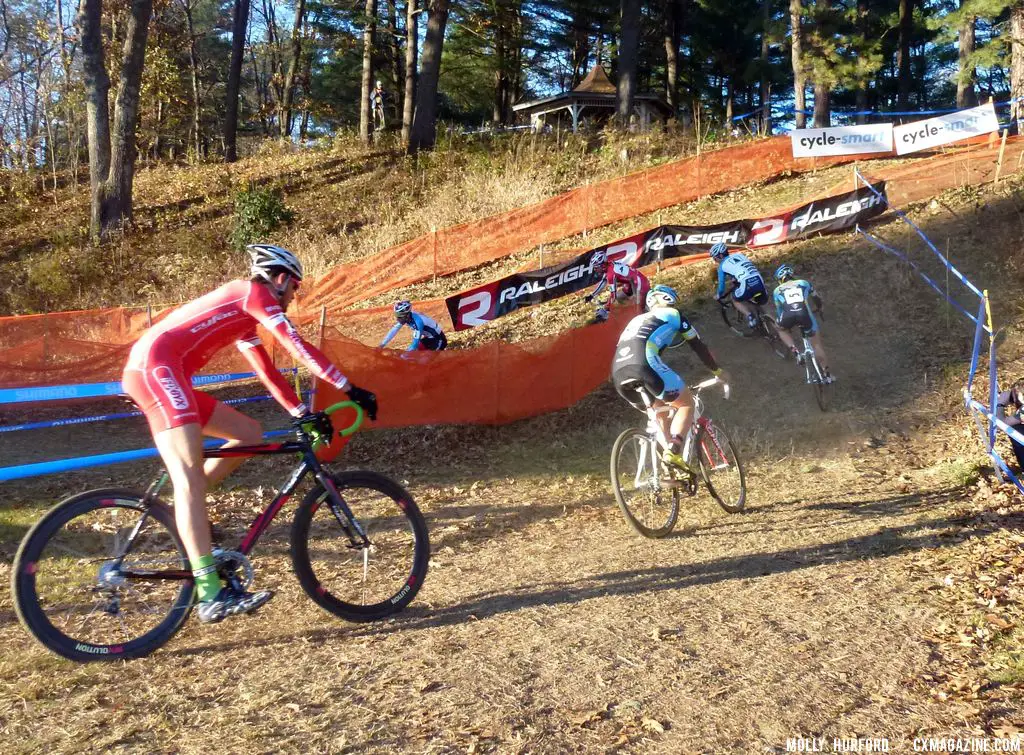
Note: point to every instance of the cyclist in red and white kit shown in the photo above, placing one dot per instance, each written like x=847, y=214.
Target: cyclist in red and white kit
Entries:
x=158, y=377
x=624, y=283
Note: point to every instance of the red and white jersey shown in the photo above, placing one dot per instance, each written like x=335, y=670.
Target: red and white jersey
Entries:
x=190, y=335
x=620, y=276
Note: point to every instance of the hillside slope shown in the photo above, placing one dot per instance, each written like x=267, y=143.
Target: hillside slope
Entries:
x=872, y=590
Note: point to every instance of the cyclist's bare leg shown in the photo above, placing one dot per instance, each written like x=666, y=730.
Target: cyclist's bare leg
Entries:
x=181, y=449
x=819, y=351
x=683, y=415
x=744, y=308
x=236, y=428
x=786, y=336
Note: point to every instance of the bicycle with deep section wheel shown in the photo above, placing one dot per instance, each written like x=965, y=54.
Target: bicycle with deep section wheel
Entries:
x=103, y=575
x=648, y=489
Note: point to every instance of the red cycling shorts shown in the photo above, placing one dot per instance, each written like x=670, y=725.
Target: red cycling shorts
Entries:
x=165, y=395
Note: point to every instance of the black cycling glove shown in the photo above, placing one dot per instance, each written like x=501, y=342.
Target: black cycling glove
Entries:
x=365, y=399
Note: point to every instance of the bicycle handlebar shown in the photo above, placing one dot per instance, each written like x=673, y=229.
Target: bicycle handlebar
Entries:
x=359, y=416
x=711, y=382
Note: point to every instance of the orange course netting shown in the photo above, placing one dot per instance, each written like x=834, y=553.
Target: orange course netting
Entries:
x=495, y=382
x=471, y=244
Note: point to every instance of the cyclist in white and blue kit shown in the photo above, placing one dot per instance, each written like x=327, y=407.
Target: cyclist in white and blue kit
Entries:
x=638, y=364
x=426, y=333
x=793, y=305
x=748, y=292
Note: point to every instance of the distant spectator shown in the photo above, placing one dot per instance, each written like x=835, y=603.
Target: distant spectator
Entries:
x=427, y=334
x=377, y=106
x=1008, y=409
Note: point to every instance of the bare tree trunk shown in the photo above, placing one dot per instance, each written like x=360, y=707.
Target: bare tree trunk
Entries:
x=193, y=65
x=863, y=80
x=158, y=142
x=395, y=57
x=822, y=105
x=365, y=116
x=423, y=132
x=1017, y=64
x=673, y=29
x=238, y=33
x=796, y=12
x=97, y=89
x=903, y=78
x=629, y=15
x=500, y=63
x=965, y=94
x=580, y=52
x=411, y=49
x=117, y=199
x=285, y=119
x=765, y=93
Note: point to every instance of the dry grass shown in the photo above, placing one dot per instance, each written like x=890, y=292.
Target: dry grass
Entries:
x=349, y=202
x=547, y=626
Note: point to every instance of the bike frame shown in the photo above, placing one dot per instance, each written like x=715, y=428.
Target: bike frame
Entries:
x=811, y=358
x=303, y=445
x=699, y=420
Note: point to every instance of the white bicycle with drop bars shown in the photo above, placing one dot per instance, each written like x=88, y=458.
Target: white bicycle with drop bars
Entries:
x=648, y=489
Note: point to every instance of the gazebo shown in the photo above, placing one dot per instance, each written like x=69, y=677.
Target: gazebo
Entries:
x=595, y=96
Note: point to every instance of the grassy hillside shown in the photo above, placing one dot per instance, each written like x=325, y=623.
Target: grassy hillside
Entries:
x=348, y=202
x=873, y=589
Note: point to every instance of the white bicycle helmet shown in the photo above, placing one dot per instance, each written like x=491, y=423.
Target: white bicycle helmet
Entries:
x=403, y=307
x=599, y=258
x=661, y=296
x=267, y=257
x=719, y=251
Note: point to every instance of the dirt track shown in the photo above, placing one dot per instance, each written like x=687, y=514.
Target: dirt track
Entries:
x=546, y=625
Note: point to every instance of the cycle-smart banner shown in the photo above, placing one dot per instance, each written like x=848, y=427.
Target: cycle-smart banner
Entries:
x=842, y=140
x=945, y=129
x=489, y=301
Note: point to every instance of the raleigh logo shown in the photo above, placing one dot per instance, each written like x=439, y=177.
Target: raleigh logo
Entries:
x=827, y=214
x=165, y=377
x=212, y=321
x=552, y=281
x=658, y=243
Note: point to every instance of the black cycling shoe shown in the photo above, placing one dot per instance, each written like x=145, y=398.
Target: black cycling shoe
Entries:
x=230, y=602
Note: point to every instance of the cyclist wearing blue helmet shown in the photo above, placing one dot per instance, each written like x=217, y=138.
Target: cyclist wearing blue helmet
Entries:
x=638, y=363
x=426, y=333
x=794, y=299
x=739, y=277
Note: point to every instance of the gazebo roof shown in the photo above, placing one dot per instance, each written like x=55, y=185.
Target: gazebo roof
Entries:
x=596, y=90
x=596, y=82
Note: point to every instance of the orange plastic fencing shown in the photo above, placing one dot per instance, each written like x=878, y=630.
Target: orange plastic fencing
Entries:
x=471, y=244
x=89, y=346
x=495, y=383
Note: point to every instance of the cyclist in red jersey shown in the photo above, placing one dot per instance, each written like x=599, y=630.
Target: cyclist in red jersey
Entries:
x=625, y=282
x=158, y=377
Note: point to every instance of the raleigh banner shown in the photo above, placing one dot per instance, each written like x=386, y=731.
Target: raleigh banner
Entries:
x=490, y=301
x=945, y=129
x=842, y=140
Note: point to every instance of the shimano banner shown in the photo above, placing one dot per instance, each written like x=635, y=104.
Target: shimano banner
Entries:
x=492, y=300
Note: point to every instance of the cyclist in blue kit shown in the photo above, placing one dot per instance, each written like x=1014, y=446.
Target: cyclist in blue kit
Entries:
x=749, y=292
x=638, y=363
x=794, y=298
x=426, y=333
